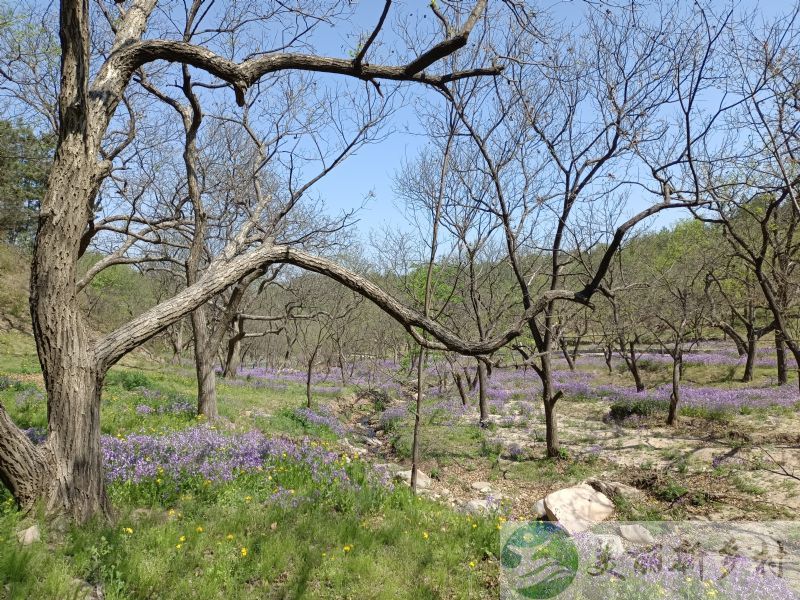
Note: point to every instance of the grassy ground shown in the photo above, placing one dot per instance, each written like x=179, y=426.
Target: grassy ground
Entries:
x=194, y=538
x=220, y=539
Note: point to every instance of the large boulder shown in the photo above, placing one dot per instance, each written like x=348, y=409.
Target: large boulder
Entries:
x=578, y=508
x=539, y=511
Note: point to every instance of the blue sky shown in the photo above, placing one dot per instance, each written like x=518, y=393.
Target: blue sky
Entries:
x=373, y=169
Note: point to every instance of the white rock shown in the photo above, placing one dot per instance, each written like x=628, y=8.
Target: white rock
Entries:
x=478, y=506
x=637, y=534
x=613, y=544
x=483, y=487
x=578, y=508
x=28, y=536
x=374, y=442
x=539, y=510
x=423, y=481
x=354, y=449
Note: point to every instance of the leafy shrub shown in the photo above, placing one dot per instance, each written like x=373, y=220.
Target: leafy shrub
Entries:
x=643, y=407
x=650, y=366
x=129, y=380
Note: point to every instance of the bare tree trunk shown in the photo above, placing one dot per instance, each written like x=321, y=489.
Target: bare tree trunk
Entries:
x=309, y=372
x=67, y=470
x=472, y=380
x=234, y=357
x=633, y=366
x=462, y=392
x=780, y=356
x=482, y=384
x=675, y=397
x=608, y=354
x=751, y=356
x=549, y=402
x=415, y=453
x=567, y=356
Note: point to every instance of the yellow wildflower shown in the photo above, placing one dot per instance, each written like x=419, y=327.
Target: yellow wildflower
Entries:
x=229, y=536
x=243, y=552
x=425, y=535
x=199, y=530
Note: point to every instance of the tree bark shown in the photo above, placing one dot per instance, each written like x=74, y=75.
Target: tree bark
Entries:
x=309, y=372
x=483, y=420
x=780, y=356
x=633, y=366
x=462, y=392
x=751, y=357
x=675, y=397
x=608, y=354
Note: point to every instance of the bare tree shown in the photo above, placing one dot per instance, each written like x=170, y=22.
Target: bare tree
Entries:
x=66, y=470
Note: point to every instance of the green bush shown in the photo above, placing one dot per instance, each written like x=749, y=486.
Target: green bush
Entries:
x=129, y=380
x=644, y=407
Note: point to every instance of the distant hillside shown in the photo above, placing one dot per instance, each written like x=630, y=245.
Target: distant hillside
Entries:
x=14, y=277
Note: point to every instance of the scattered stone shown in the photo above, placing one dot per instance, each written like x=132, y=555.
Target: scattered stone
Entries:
x=28, y=536
x=578, y=508
x=390, y=468
x=484, y=487
x=373, y=442
x=429, y=493
x=636, y=534
x=86, y=591
x=423, y=481
x=479, y=506
x=539, y=511
x=354, y=449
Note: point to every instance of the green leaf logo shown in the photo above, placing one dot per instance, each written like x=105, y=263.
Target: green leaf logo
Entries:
x=540, y=560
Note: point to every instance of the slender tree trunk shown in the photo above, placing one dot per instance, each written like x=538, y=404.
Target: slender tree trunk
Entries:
x=415, y=453
x=472, y=380
x=549, y=403
x=342, y=370
x=751, y=356
x=482, y=384
x=309, y=371
x=234, y=356
x=675, y=397
x=608, y=354
x=462, y=392
x=633, y=366
x=567, y=356
x=204, y=367
x=780, y=356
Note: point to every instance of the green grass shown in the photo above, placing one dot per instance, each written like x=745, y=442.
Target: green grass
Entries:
x=169, y=542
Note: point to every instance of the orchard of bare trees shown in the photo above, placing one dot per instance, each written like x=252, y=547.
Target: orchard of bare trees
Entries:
x=592, y=216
